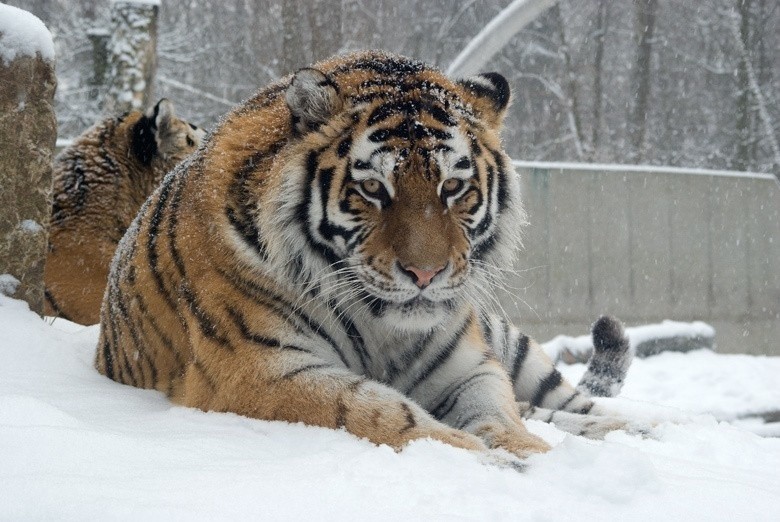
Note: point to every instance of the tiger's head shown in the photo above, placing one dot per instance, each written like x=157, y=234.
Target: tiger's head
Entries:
x=400, y=187
x=160, y=139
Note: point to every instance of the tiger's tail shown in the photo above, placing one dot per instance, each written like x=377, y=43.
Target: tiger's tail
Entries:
x=612, y=356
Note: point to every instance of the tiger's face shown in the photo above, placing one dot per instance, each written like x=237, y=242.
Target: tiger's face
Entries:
x=403, y=201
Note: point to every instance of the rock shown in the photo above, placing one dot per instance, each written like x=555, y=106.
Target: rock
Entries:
x=28, y=131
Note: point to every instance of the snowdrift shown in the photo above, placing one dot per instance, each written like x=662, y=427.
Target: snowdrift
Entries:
x=76, y=446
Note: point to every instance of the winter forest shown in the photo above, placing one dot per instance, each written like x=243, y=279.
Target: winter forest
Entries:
x=659, y=82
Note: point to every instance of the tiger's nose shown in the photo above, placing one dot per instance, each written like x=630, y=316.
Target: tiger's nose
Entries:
x=421, y=276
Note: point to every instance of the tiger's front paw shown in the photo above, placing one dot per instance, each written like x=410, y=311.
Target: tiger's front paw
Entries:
x=456, y=438
x=516, y=440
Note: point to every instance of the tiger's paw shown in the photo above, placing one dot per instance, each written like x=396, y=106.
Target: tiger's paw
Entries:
x=456, y=438
x=516, y=440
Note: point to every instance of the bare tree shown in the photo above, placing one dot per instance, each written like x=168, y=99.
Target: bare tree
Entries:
x=644, y=26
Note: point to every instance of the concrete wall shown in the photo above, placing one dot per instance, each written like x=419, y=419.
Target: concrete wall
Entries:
x=648, y=244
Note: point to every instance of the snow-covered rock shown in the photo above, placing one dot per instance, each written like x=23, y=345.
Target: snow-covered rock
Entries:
x=23, y=34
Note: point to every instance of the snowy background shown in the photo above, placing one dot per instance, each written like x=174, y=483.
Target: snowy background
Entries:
x=77, y=446
x=577, y=71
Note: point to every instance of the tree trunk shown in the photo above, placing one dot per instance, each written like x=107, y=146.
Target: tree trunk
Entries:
x=598, y=71
x=740, y=29
x=744, y=106
x=294, y=39
x=644, y=26
x=133, y=56
x=572, y=102
x=99, y=38
x=326, y=35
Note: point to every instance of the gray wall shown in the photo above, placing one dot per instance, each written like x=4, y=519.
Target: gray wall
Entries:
x=648, y=244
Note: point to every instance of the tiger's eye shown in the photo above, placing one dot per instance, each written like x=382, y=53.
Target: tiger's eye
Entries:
x=451, y=185
x=371, y=186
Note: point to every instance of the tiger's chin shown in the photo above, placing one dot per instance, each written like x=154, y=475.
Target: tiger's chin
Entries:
x=418, y=314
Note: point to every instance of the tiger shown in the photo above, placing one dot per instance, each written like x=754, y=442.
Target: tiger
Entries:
x=99, y=184
x=327, y=256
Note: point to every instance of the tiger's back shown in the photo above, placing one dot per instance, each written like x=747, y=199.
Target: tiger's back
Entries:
x=99, y=183
x=320, y=259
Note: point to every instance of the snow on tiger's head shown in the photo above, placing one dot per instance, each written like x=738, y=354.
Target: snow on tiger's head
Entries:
x=396, y=179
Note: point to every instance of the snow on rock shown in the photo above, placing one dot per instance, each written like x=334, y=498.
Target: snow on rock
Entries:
x=76, y=446
x=23, y=34
x=697, y=333
x=8, y=284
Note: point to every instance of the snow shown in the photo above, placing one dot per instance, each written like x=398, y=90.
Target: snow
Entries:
x=8, y=284
x=76, y=446
x=636, y=335
x=23, y=34
x=30, y=226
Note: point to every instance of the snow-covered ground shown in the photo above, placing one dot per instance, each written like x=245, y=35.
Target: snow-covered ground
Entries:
x=76, y=446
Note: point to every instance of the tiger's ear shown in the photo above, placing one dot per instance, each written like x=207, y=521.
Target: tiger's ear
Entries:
x=161, y=114
x=312, y=98
x=489, y=94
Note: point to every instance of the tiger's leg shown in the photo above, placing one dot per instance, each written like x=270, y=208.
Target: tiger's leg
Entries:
x=294, y=384
x=465, y=387
x=592, y=426
x=535, y=378
x=543, y=390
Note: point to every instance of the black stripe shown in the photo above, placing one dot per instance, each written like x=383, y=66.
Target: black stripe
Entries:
x=109, y=322
x=124, y=315
x=407, y=358
x=157, y=330
x=392, y=108
x=173, y=220
x=586, y=409
x=546, y=386
x=381, y=65
x=280, y=306
x=503, y=194
x=249, y=232
x=270, y=342
x=54, y=305
x=520, y=353
x=450, y=399
x=108, y=358
x=468, y=420
x=307, y=368
x=411, y=422
x=302, y=213
x=487, y=331
x=487, y=219
x=565, y=403
x=358, y=344
x=153, y=234
x=327, y=228
x=204, y=373
x=206, y=323
x=441, y=357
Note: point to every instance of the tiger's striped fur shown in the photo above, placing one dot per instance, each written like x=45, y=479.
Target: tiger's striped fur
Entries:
x=324, y=258
x=99, y=183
